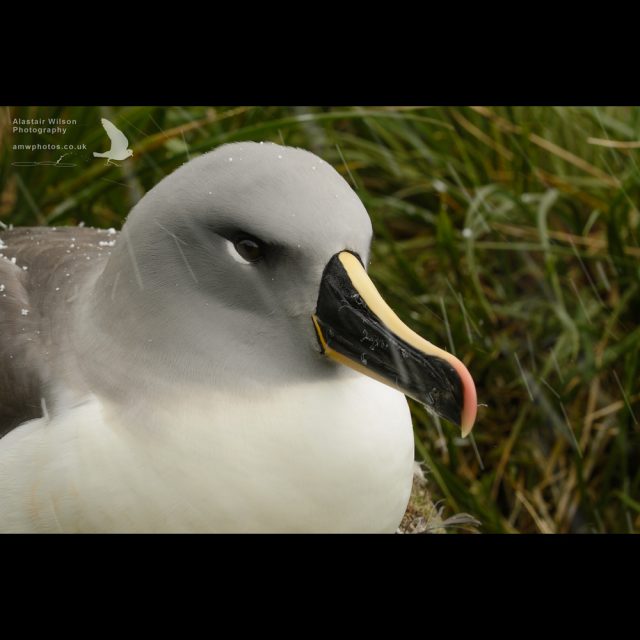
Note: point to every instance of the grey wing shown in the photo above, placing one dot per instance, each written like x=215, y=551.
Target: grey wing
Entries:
x=19, y=376
x=118, y=139
x=36, y=304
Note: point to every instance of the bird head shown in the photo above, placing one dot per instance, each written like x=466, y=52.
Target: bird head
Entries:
x=254, y=257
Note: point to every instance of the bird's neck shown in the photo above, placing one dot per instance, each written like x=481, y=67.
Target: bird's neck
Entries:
x=136, y=335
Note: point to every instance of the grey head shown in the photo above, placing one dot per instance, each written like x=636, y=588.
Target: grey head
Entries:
x=216, y=273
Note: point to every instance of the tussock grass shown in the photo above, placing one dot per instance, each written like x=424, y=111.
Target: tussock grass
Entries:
x=507, y=235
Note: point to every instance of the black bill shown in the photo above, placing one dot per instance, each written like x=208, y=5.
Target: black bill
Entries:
x=357, y=328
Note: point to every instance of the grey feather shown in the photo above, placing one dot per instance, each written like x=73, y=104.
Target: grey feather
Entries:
x=34, y=303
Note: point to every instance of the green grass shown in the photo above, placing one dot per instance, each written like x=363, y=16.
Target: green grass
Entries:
x=518, y=224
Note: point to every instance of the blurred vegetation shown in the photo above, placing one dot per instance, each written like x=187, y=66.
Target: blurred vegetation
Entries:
x=508, y=235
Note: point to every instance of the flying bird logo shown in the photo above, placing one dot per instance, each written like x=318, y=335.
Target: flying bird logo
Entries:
x=119, y=144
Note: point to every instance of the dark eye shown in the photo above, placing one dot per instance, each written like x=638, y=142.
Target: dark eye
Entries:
x=249, y=248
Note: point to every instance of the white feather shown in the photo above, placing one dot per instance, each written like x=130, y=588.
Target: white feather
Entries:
x=315, y=457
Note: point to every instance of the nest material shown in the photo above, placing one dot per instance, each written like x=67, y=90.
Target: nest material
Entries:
x=422, y=516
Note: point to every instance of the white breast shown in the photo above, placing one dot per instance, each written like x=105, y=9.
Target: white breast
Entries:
x=315, y=457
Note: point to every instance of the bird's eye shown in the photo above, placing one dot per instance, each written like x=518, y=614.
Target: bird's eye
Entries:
x=247, y=249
